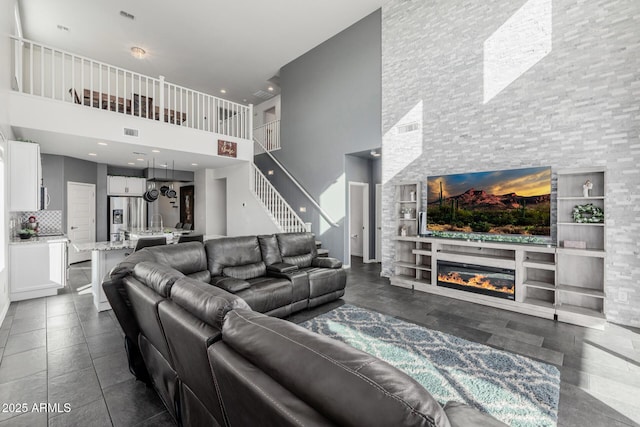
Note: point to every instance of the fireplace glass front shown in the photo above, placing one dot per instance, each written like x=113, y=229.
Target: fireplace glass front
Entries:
x=497, y=282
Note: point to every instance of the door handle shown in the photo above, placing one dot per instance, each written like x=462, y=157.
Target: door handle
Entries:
x=74, y=228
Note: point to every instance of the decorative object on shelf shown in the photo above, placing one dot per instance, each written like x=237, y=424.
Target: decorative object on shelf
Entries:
x=407, y=212
x=588, y=213
x=412, y=196
x=403, y=231
x=575, y=244
x=586, y=188
x=26, y=233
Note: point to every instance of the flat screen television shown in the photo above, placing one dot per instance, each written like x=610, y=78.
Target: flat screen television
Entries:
x=507, y=205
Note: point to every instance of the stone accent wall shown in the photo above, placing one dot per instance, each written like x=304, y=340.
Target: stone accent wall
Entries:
x=578, y=106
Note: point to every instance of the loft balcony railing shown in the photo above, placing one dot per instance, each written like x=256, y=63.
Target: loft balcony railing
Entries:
x=268, y=135
x=52, y=73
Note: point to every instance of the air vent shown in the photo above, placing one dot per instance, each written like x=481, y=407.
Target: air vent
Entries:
x=131, y=132
x=63, y=28
x=127, y=15
x=263, y=95
x=409, y=127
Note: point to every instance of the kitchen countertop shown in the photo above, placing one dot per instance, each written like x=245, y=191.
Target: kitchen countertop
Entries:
x=44, y=239
x=104, y=246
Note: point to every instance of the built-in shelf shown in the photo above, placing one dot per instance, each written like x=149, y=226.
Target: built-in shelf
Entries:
x=584, y=311
x=582, y=224
x=421, y=252
x=596, y=253
x=539, y=303
x=582, y=198
x=407, y=278
x=407, y=201
x=580, y=290
x=408, y=219
x=542, y=265
x=414, y=266
x=540, y=285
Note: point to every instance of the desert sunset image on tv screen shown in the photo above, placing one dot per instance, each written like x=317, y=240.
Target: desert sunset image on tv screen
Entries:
x=515, y=201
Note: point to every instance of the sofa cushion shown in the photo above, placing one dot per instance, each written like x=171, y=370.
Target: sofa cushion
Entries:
x=270, y=250
x=247, y=271
x=158, y=277
x=267, y=293
x=187, y=258
x=326, y=262
x=281, y=267
x=207, y=303
x=346, y=385
x=126, y=266
x=297, y=248
x=325, y=280
x=231, y=252
x=201, y=276
x=230, y=284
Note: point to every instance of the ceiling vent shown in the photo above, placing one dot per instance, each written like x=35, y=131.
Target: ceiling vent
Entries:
x=131, y=132
x=263, y=94
x=127, y=15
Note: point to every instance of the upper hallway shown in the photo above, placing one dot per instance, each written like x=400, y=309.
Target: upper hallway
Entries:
x=68, y=103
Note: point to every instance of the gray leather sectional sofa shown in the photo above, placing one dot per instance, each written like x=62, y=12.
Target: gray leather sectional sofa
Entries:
x=202, y=327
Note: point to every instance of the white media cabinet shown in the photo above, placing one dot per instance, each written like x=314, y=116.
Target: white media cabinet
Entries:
x=554, y=282
x=534, y=266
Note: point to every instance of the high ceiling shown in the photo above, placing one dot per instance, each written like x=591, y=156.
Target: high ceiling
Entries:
x=204, y=45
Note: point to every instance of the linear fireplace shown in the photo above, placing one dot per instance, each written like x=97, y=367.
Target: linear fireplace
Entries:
x=497, y=282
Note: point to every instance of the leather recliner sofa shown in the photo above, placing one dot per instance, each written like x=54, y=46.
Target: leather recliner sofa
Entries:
x=235, y=264
x=215, y=361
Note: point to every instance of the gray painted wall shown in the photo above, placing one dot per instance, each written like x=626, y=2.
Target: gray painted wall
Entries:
x=330, y=107
x=102, y=214
x=53, y=179
x=576, y=107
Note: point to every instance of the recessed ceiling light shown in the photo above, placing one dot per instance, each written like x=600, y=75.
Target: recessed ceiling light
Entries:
x=223, y=91
x=140, y=160
x=194, y=164
x=102, y=143
x=163, y=166
x=138, y=52
x=92, y=154
x=155, y=151
x=270, y=88
x=244, y=100
x=374, y=153
x=131, y=163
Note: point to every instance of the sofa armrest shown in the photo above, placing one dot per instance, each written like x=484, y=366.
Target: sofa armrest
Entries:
x=326, y=262
x=230, y=284
x=461, y=415
x=281, y=267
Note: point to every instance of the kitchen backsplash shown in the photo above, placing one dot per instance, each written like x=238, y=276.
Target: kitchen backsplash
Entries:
x=49, y=221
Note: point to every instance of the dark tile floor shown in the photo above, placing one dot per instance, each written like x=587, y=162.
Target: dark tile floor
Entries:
x=60, y=350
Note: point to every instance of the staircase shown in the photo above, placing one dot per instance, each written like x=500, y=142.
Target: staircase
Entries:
x=267, y=139
x=284, y=216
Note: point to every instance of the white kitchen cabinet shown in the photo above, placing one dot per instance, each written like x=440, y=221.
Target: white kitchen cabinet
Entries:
x=25, y=174
x=126, y=186
x=37, y=269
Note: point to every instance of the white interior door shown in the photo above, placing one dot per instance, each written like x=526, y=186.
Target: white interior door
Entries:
x=359, y=220
x=378, y=256
x=81, y=218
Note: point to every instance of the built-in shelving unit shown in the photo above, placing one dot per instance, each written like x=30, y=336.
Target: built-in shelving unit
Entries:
x=534, y=270
x=560, y=282
x=581, y=271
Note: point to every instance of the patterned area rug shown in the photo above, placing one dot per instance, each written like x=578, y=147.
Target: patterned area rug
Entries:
x=512, y=388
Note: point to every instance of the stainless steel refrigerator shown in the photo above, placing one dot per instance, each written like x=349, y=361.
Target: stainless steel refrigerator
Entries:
x=126, y=213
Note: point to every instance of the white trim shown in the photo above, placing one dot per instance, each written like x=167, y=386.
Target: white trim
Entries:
x=93, y=229
x=377, y=232
x=365, y=220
